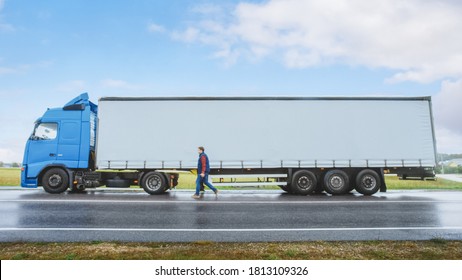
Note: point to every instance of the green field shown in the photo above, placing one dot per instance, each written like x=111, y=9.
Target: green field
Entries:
x=11, y=177
x=393, y=183
x=436, y=249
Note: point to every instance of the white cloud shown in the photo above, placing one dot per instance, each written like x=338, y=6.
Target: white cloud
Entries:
x=213, y=34
x=7, y=70
x=155, y=28
x=207, y=9
x=191, y=34
x=416, y=38
x=119, y=84
x=5, y=27
x=12, y=145
x=73, y=86
x=15, y=69
x=8, y=155
x=448, y=141
x=448, y=115
x=23, y=68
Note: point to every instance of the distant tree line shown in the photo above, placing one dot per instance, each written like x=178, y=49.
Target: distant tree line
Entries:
x=448, y=156
x=449, y=169
x=14, y=164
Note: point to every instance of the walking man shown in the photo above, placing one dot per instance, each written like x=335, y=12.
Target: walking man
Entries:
x=203, y=170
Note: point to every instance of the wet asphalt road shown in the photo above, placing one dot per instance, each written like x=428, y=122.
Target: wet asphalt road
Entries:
x=33, y=215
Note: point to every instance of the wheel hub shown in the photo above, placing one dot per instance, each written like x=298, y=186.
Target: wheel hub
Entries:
x=337, y=182
x=369, y=182
x=154, y=183
x=54, y=180
x=304, y=182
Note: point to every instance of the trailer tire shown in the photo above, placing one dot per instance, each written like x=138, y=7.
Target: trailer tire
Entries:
x=336, y=182
x=55, y=180
x=154, y=183
x=368, y=182
x=304, y=182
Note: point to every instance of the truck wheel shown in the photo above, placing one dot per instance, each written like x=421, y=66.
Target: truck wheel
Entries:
x=303, y=182
x=336, y=182
x=368, y=182
x=55, y=181
x=154, y=183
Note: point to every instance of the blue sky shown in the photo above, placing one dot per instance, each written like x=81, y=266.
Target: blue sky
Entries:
x=50, y=51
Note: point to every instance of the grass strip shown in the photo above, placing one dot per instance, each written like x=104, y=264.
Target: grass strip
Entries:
x=436, y=249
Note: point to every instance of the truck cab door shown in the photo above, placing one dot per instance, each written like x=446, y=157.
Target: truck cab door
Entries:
x=69, y=143
x=43, y=146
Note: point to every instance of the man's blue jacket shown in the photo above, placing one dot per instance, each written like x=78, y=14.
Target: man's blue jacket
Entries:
x=203, y=165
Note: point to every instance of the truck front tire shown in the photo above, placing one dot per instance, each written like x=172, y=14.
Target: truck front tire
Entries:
x=55, y=181
x=304, y=182
x=368, y=182
x=336, y=182
x=154, y=183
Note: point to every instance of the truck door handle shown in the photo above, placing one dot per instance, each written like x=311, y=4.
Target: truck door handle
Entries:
x=52, y=155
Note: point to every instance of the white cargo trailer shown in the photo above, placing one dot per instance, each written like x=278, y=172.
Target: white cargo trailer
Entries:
x=268, y=136
x=301, y=144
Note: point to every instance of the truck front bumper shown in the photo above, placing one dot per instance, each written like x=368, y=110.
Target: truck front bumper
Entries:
x=27, y=182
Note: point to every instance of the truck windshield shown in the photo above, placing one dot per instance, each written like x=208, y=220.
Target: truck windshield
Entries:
x=45, y=131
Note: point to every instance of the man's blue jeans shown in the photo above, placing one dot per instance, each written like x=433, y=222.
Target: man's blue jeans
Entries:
x=199, y=180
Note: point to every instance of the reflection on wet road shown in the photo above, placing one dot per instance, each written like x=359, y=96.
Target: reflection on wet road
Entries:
x=32, y=215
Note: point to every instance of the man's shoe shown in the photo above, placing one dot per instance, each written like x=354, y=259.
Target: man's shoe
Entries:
x=195, y=196
x=216, y=192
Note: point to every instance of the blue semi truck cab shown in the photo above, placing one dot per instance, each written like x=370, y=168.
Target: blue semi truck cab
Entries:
x=63, y=139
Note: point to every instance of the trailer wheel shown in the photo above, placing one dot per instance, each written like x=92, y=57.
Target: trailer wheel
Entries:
x=55, y=181
x=368, y=182
x=336, y=182
x=154, y=183
x=304, y=182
